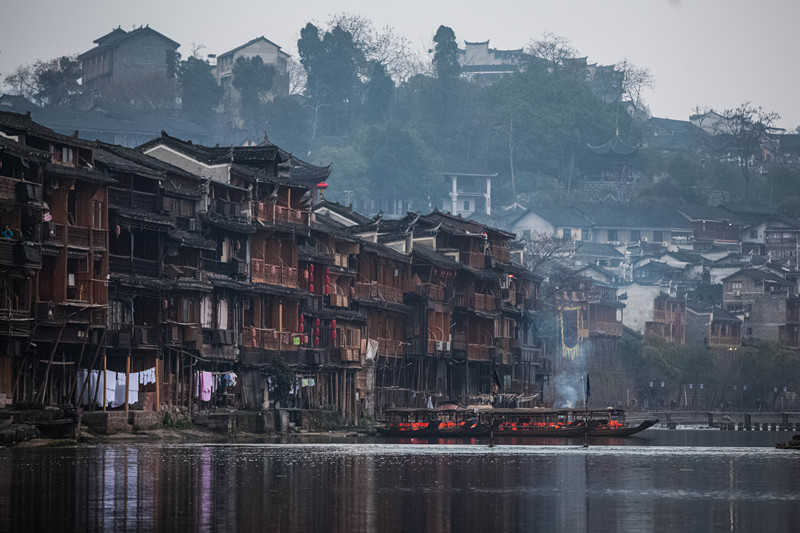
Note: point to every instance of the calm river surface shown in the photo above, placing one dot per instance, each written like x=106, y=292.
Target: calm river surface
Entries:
x=662, y=481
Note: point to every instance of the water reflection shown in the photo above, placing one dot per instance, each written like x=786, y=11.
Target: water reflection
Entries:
x=388, y=487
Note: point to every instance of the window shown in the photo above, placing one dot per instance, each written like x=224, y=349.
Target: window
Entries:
x=612, y=235
x=658, y=236
x=635, y=236
x=736, y=285
x=754, y=234
x=585, y=235
x=466, y=205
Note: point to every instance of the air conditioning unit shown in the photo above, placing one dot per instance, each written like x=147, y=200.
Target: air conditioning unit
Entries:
x=447, y=346
x=439, y=346
x=192, y=224
x=737, y=293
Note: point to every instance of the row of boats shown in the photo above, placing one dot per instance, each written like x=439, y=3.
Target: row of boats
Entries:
x=479, y=421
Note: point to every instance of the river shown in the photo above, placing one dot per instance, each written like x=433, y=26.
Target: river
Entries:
x=664, y=480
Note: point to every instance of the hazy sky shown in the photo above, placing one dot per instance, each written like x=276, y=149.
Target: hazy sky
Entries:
x=715, y=53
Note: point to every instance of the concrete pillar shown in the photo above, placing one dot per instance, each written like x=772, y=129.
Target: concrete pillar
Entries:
x=711, y=420
x=748, y=422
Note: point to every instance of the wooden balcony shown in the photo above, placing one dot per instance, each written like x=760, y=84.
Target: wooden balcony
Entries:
x=12, y=189
x=501, y=253
x=99, y=239
x=273, y=274
x=53, y=234
x=339, y=300
x=473, y=259
x=271, y=339
x=226, y=208
x=478, y=352
x=605, y=328
x=733, y=342
x=78, y=236
x=144, y=267
x=62, y=313
x=430, y=291
x=476, y=301
x=267, y=212
x=391, y=347
x=364, y=291
x=15, y=322
x=143, y=201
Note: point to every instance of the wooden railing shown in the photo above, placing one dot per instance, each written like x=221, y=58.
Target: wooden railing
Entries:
x=478, y=352
x=390, y=347
x=376, y=291
x=271, y=339
x=15, y=322
x=120, y=264
x=730, y=342
x=430, y=291
x=99, y=239
x=8, y=188
x=144, y=267
x=605, y=328
x=276, y=213
x=273, y=274
x=501, y=253
x=54, y=233
x=473, y=259
x=78, y=236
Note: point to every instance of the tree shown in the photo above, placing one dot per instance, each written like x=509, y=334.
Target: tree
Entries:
x=748, y=127
x=379, y=93
x=551, y=53
x=54, y=82
x=253, y=79
x=22, y=82
x=382, y=46
x=445, y=55
x=200, y=94
x=331, y=62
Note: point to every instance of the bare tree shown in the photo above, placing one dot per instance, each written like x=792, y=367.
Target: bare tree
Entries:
x=382, y=45
x=552, y=51
x=748, y=126
x=22, y=82
x=297, y=77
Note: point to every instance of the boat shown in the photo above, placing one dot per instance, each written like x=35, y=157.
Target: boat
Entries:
x=793, y=444
x=409, y=422
x=455, y=421
x=534, y=422
x=612, y=423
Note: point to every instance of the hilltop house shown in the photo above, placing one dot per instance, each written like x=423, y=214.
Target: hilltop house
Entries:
x=135, y=60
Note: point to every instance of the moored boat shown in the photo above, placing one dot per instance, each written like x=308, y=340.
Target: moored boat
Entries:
x=793, y=444
x=611, y=423
x=409, y=422
x=535, y=422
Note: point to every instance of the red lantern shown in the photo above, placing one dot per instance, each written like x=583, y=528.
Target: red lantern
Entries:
x=316, y=332
x=302, y=326
x=311, y=288
x=316, y=323
x=327, y=270
x=327, y=280
x=352, y=291
x=327, y=290
x=311, y=268
x=316, y=341
x=333, y=335
x=305, y=339
x=333, y=323
x=305, y=274
x=117, y=230
x=164, y=304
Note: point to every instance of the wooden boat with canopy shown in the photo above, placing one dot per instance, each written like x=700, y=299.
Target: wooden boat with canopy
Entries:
x=611, y=423
x=409, y=422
